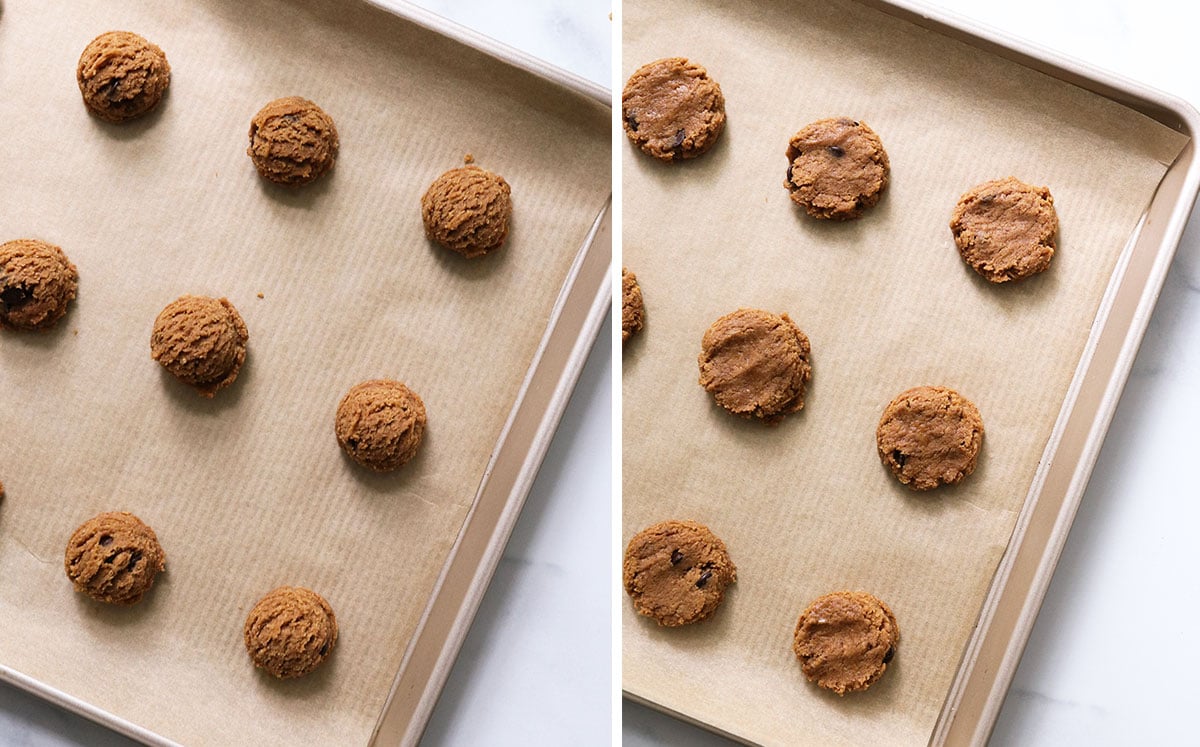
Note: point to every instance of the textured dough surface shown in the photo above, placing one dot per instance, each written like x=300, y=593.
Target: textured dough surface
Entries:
x=633, y=311
x=122, y=76
x=290, y=631
x=837, y=168
x=672, y=109
x=756, y=363
x=380, y=424
x=676, y=572
x=292, y=141
x=1005, y=229
x=113, y=557
x=468, y=210
x=845, y=640
x=201, y=341
x=930, y=436
x=37, y=283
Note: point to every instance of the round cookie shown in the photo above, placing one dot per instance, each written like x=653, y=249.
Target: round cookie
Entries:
x=930, y=436
x=845, y=640
x=1005, y=229
x=380, y=424
x=292, y=141
x=201, y=341
x=122, y=76
x=837, y=168
x=468, y=210
x=672, y=110
x=756, y=363
x=633, y=311
x=37, y=282
x=290, y=631
x=113, y=557
x=676, y=572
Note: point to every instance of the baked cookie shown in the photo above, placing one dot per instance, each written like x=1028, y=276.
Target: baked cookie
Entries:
x=290, y=632
x=380, y=424
x=113, y=557
x=1005, y=229
x=672, y=110
x=37, y=282
x=633, y=312
x=676, y=572
x=292, y=141
x=930, y=436
x=201, y=341
x=837, y=168
x=755, y=363
x=468, y=210
x=845, y=640
x=122, y=76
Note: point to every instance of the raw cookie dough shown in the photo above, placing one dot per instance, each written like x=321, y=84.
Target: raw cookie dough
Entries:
x=122, y=76
x=676, y=572
x=37, y=282
x=845, y=640
x=633, y=312
x=290, y=632
x=292, y=141
x=113, y=557
x=201, y=341
x=468, y=210
x=930, y=436
x=380, y=423
x=756, y=363
x=837, y=168
x=672, y=110
x=1005, y=229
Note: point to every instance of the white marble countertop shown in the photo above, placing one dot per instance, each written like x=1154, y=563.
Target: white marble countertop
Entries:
x=1110, y=661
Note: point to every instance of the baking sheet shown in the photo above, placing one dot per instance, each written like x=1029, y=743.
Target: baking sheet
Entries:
x=250, y=491
x=806, y=507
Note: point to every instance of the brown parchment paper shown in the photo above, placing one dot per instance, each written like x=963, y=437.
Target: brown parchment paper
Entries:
x=250, y=490
x=806, y=507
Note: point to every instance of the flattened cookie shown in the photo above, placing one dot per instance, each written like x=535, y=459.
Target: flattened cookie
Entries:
x=837, y=168
x=122, y=76
x=676, y=572
x=468, y=210
x=292, y=141
x=37, y=282
x=290, y=631
x=845, y=640
x=930, y=436
x=380, y=424
x=633, y=312
x=1005, y=229
x=201, y=341
x=113, y=557
x=756, y=363
x=672, y=110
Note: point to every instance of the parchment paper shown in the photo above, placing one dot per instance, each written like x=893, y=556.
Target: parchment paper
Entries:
x=806, y=507
x=250, y=490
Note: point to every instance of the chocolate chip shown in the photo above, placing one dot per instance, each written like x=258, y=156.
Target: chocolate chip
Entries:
x=631, y=120
x=899, y=457
x=890, y=653
x=680, y=136
x=704, y=577
x=676, y=556
x=789, y=176
x=836, y=151
x=324, y=649
x=134, y=557
x=105, y=540
x=15, y=295
x=110, y=89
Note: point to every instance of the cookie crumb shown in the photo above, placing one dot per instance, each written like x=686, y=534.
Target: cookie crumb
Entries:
x=260, y=295
x=468, y=159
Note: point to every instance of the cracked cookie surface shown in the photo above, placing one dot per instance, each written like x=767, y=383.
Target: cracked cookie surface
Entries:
x=672, y=110
x=845, y=641
x=930, y=436
x=292, y=141
x=468, y=210
x=676, y=572
x=756, y=363
x=201, y=341
x=37, y=283
x=837, y=168
x=290, y=631
x=380, y=424
x=114, y=557
x=122, y=76
x=1005, y=229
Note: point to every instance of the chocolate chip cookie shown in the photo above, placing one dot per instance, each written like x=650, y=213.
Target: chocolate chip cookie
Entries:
x=633, y=312
x=672, y=110
x=290, y=631
x=1005, y=229
x=845, y=640
x=122, y=76
x=756, y=363
x=113, y=557
x=380, y=424
x=292, y=141
x=676, y=572
x=37, y=282
x=837, y=168
x=930, y=436
x=468, y=210
x=201, y=341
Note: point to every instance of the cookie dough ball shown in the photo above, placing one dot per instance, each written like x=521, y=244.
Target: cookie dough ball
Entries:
x=37, y=282
x=122, y=76
x=676, y=572
x=380, y=424
x=468, y=210
x=290, y=632
x=672, y=110
x=930, y=436
x=837, y=168
x=756, y=363
x=292, y=141
x=201, y=341
x=1005, y=229
x=113, y=557
x=633, y=312
x=845, y=640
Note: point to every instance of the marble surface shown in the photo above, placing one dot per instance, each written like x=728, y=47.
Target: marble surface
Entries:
x=1110, y=661
x=536, y=666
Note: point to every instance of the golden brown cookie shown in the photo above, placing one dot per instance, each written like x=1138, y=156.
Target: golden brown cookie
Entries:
x=845, y=640
x=633, y=312
x=290, y=632
x=201, y=341
x=756, y=363
x=292, y=141
x=113, y=557
x=468, y=210
x=837, y=168
x=930, y=436
x=122, y=76
x=380, y=424
x=676, y=572
x=672, y=110
x=1005, y=229
x=37, y=282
